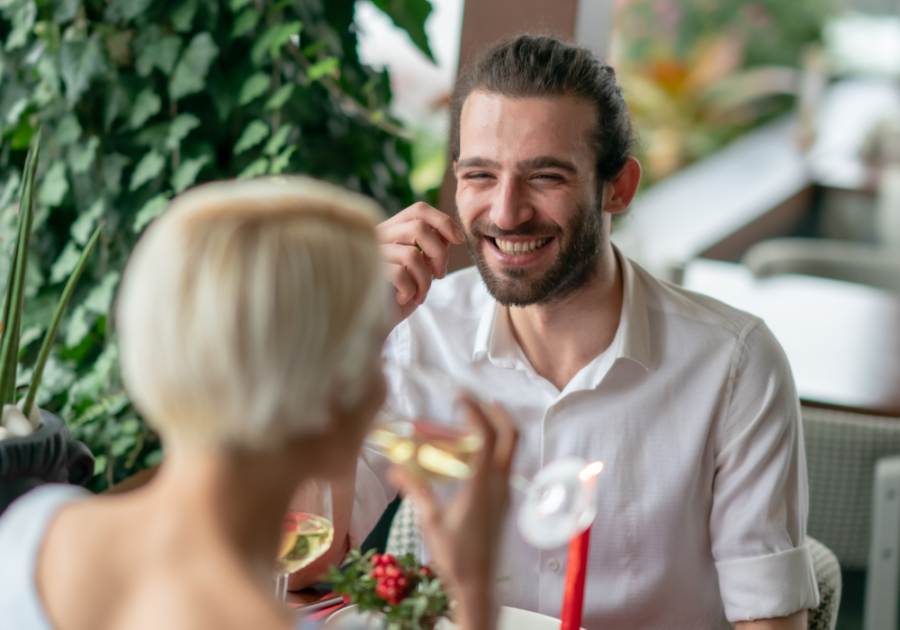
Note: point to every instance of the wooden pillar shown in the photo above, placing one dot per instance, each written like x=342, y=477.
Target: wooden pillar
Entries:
x=486, y=21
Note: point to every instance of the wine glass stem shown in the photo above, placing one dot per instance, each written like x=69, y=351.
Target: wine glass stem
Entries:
x=281, y=583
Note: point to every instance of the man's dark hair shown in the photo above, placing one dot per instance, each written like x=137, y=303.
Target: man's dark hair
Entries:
x=530, y=66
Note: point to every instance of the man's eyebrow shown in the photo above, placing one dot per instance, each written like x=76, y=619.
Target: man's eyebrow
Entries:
x=546, y=161
x=477, y=162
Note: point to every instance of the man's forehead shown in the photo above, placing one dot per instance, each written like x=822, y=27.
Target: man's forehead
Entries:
x=491, y=124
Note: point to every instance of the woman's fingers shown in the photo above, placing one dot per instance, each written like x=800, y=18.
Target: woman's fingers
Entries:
x=507, y=437
x=409, y=485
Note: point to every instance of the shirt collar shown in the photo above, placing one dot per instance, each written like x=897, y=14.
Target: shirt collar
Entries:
x=494, y=339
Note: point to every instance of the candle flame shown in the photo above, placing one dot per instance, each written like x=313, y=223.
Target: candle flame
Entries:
x=590, y=471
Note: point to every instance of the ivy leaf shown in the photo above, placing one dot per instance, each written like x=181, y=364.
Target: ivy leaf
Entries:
x=257, y=167
x=78, y=327
x=254, y=133
x=149, y=167
x=410, y=15
x=245, y=22
x=187, y=173
x=283, y=160
x=179, y=129
x=322, y=68
x=84, y=225
x=80, y=159
x=125, y=10
x=189, y=76
x=113, y=164
x=183, y=16
x=272, y=40
x=147, y=104
x=160, y=54
x=278, y=139
x=22, y=25
x=65, y=263
x=68, y=131
x=253, y=87
x=55, y=186
x=79, y=63
x=100, y=298
x=150, y=211
x=280, y=96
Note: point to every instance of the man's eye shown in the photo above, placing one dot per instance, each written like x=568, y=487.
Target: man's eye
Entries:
x=476, y=175
x=548, y=176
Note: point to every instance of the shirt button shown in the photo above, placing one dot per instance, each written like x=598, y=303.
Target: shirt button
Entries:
x=553, y=564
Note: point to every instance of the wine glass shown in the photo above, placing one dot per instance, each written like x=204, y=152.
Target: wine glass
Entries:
x=422, y=425
x=306, y=531
x=559, y=502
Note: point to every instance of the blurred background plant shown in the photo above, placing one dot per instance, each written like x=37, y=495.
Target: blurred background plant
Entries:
x=699, y=73
x=141, y=99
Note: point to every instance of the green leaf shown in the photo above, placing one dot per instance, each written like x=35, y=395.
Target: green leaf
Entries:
x=68, y=131
x=254, y=86
x=154, y=458
x=245, y=22
x=29, y=335
x=322, y=68
x=78, y=327
x=147, y=104
x=253, y=134
x=79, y=63
x=15, y=111
x=55, y=185
x=179, y=129
x=278, y=139
x=410, y=15
x=150, y=211
x=65, y=263
x=149, y=167
x=99, y=465
x=160, y=54
x=113, y=165
x=189, y=76
x=256, y=168
x=183, y=16
x=271, y=41
x=22, y=25
x=81, y=158
x=84, y=224
x=236, y=5
x=187, y=173
x=100, y=298
x=283, y=160
x=65, y=10
x=280, y=96
x=124, y=10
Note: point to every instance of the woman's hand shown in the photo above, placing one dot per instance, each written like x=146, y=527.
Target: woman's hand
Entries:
x=416, y=245
x=463, y=536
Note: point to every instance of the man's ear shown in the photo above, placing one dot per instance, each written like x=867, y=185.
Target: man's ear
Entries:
x=619, y=192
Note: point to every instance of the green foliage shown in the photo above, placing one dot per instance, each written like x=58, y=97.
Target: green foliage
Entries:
x=140, y=100
x=425, y=603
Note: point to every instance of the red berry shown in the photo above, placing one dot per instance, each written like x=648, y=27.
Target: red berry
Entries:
x=378, y=572
x=392, y=571
x=376, y=559
x=402, y=582
x=425, y=572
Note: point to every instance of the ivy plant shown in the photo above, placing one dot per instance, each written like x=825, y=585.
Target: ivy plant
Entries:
x=141, y=99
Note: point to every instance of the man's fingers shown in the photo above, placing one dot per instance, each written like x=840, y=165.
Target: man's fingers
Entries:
x=417, y=233
x=410, y=260
x=440, y=222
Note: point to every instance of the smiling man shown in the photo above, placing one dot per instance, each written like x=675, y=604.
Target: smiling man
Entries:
x=690, y=403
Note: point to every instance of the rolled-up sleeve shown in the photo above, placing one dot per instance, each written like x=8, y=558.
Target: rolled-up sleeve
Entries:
x=760, y=494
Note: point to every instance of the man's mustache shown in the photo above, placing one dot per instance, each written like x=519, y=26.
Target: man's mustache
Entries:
x=526, y=229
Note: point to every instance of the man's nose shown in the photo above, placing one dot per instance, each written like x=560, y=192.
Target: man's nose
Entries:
x=510, y=207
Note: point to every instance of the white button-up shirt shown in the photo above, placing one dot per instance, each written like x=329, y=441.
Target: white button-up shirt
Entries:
x=702, y=503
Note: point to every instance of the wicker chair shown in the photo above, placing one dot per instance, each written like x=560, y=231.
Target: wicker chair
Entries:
x=404, y=537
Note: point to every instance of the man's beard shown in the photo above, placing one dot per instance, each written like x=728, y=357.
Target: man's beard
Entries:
x=577, y=260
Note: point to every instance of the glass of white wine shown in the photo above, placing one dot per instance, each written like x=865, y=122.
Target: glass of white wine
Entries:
x=306, y=532
x=422, y=425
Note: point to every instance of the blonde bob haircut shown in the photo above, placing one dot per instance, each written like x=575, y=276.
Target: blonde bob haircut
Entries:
x=250, y=309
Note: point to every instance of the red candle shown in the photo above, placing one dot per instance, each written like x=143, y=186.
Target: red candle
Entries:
x=576, y=569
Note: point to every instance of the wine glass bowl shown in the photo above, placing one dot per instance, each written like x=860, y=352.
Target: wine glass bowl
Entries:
x=307, y=531
x=559, y=502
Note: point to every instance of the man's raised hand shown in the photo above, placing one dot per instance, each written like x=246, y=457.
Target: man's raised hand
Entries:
x=416, y=245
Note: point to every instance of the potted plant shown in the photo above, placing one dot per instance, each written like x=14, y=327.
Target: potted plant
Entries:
x=35, y=446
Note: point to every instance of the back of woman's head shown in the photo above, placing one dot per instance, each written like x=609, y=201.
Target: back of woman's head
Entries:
x=249, y=309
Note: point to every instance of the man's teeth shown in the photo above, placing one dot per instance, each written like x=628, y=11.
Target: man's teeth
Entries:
x=520, y=247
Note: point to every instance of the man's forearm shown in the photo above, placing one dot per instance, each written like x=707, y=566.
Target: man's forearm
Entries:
x=797, y=621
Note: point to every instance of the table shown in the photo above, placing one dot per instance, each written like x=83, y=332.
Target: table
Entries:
x=842, y=339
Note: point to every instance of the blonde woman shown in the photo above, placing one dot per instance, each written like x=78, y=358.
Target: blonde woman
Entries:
x=250, y=319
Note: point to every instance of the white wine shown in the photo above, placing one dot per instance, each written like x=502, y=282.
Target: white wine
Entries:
x=428, y=449
x=304, y=538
